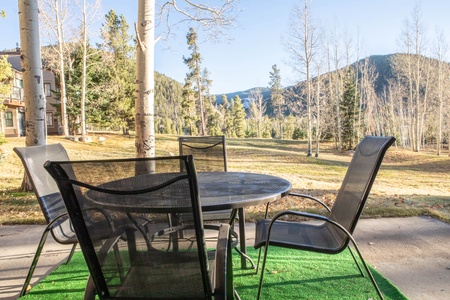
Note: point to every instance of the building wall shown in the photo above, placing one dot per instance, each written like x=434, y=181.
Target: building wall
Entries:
x=52, y=119
x=12, y=116
x=15, y=105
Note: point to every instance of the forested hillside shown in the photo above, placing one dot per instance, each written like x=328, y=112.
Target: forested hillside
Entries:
x=403, y=95
x=406, y=96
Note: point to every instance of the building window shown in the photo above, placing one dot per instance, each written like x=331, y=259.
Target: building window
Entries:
x=49, y=119
x=47, y=89
x=18, y=82
x=9, y=119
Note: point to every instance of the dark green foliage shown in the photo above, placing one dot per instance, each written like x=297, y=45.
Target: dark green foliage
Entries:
x=225, y=110
x=168, y=105
x=298, y=134
x=118, y=59
x=276, y=92
x=277, y=101
x=110, y=84
x=193, y=108
x=349, y=111
x=238, y=112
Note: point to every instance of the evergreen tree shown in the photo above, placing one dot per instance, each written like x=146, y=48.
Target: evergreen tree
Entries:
x=188, y=108
x=214, y=122
x=289, y=127
x=212, y=113
x=276, y=96
x=225, y=110
x=194, y=77
x=168, y=106
x=118, y=60
x=349, y=111
x=239, y=114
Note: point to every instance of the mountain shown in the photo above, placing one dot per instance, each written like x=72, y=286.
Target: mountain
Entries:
x=245, y=95
x=385, y=68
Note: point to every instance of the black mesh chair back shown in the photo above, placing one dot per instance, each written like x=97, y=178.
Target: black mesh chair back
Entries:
x=210, y=155
x=132, y=264
x=209, y=152
x=357, y=183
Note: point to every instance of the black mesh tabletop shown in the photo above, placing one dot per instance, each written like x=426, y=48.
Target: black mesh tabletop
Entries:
x=218, y=190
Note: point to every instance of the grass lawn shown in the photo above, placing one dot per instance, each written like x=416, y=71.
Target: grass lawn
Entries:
x=408, y=183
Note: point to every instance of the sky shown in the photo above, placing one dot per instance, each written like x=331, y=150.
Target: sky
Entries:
x=245, y=61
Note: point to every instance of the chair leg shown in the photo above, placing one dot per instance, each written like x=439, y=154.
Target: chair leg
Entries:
x=367, y=269
x=89, y=292
x=245, y=256
x=261, y=278
x=35, y=261
x=356, y=261
x=259, y=254
x=72, y=252
x=259, y=259
x=236, y=295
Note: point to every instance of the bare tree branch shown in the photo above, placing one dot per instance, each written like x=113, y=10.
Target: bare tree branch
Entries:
x=214, y=21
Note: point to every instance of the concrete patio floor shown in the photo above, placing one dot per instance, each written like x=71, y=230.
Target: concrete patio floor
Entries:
x=413, y=253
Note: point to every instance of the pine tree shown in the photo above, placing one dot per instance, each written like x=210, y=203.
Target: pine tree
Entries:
x=238, y=117
x=349, y=111
x=188, y=107
x=118, y=62
x=276, y=96
x=225, y=109
x=195, y=77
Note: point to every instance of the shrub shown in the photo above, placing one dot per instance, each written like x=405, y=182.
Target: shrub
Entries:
x=3, y=139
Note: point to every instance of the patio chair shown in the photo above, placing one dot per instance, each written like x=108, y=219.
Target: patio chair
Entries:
x=167, y=266
x=50, y=200
x=329, y=234
x=210, y=155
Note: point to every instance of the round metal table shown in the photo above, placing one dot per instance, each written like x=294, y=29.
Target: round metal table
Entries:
x=217, y=190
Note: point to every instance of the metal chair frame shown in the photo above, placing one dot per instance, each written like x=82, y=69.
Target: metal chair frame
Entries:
x=97, y=284
x=345, y=237
x=51, y=201
x=188, y=145
x=33, y=159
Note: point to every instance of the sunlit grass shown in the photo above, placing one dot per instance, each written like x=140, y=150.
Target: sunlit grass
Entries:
x=407, y=184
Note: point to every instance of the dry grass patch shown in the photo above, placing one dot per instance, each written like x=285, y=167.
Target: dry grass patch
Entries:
x=408, y=183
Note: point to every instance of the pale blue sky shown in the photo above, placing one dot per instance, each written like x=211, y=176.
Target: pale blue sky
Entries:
x=246, y=61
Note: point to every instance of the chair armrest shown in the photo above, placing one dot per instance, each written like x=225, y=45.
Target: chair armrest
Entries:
x=311, y=198
x=224, y=266
x=105, y=215
x=307, y=215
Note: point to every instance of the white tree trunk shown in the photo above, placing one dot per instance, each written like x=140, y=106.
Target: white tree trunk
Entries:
x=83, y=76
x=62, y=80
x=35, y=110
x=145, y=83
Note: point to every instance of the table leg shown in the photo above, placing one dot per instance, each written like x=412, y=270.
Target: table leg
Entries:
x=242, y=237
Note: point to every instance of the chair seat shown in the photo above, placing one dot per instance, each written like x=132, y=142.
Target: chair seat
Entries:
x=170, y=275
x=313, y=236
